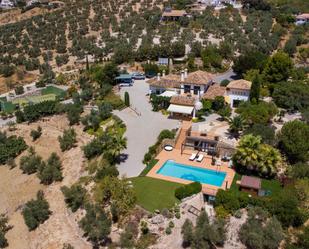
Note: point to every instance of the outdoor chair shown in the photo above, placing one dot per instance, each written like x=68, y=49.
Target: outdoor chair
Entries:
x=200, y=158
x=192, y=157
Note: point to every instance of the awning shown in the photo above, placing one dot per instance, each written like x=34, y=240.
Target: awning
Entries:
x=180, y=109
x=168, y=94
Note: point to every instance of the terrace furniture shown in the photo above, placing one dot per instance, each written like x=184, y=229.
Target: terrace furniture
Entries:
x=200, y=158
x=168, y=147
x=192, y=157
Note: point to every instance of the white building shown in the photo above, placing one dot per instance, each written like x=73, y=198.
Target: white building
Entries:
x=185, y=90
x=195, y=84
x=238, y=91
x=302, y=19
x=6, y=4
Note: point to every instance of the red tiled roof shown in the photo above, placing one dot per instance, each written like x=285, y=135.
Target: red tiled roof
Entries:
x=250, y=182
x=214, y=91
x=240, y=84
x=182, y=100
x=174, y=81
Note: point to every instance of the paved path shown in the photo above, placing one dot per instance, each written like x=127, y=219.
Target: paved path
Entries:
x=142, y=130
x=228, y=75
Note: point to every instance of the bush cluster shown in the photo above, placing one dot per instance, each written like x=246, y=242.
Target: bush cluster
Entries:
x=165, y=134
x=188, y=190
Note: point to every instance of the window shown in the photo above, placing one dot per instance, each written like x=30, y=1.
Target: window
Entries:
x=196, y=90
x=187, y=88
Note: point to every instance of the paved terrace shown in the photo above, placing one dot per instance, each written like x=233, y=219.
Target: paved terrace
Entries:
x=142, y=130
x=184, y=159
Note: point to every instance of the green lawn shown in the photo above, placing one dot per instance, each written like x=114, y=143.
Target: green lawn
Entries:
x=272, y=185
x=155, y=194
x=54, y=90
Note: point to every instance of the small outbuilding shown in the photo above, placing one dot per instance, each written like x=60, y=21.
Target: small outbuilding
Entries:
x=250, y=184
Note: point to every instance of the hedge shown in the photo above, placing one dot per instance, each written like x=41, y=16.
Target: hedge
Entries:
x=188, y=190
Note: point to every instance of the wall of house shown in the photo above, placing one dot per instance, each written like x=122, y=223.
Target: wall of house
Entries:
x=203, y=88
x=236, y=94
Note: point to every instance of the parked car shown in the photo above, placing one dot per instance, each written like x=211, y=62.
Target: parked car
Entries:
x=138, y=76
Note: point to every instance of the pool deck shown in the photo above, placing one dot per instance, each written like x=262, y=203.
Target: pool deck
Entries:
x=184, y=159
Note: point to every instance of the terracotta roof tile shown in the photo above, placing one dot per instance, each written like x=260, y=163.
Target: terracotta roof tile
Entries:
x=174, y=13
x=214, y=91
x=240, y=84
x=182, y=100
x=250, y=182
x=174, y=81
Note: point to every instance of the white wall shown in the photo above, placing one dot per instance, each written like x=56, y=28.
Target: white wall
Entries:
x=236, y=94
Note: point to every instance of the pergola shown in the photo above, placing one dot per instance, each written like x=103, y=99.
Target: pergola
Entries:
x=212, y=145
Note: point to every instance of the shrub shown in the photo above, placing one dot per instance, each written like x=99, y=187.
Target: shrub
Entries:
x=68, y=140
x=188, y=190
x=221, y=212
x=144, y=227
x=168, y=230
x=10, y=147
x=224, y=82
x=126, y=99
x=171, y=224
x=50, y=171
x=31, y=162
x=36, y=134
x=74, y=197
x=36, y=211
x=19, y=90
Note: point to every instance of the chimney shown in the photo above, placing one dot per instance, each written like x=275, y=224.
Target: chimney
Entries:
x=158, y=76
x=182, y=75
x=186, y=73
x=163, y=73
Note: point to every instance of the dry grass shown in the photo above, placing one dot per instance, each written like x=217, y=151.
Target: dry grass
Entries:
x=16, y=189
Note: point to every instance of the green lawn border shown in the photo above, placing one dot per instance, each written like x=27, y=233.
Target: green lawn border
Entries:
x=148, y=167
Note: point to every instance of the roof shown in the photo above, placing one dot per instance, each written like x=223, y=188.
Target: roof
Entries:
x=240, y=84
x=303, y=16
x=174, y=13
x=182, y=100
x=250, y=182
x=180, y=109
x=198, y=78
x=168, y=81
x=174, y=81
x=214, y=91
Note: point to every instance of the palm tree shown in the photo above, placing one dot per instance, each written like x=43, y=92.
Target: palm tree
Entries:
x=252, y=155
x=117, y=144
x=247, y=153
x=237, y=124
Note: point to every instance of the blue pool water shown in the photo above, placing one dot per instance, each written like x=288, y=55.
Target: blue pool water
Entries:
x=186, y=172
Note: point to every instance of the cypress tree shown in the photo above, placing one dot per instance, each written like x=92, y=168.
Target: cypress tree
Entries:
x=126, y=99
x=255, y=89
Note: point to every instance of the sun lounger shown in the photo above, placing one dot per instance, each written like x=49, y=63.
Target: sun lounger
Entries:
x=200, y=158
x=192, y=157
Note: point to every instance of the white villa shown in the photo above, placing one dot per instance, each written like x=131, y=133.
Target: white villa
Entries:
x=7, y=4
x=187, y=89
x=237, y=91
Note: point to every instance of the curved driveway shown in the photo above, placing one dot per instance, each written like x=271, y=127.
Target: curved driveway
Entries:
x=142, y=130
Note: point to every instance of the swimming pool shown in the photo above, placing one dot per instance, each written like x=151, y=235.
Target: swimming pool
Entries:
x=190, y=173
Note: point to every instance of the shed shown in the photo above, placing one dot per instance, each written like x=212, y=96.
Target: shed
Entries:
x=250, y=184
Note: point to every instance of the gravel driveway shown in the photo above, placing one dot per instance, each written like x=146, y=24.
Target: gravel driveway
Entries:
x=142, y=130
